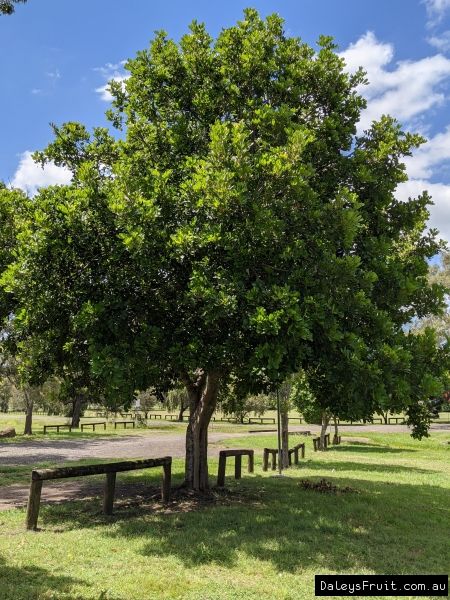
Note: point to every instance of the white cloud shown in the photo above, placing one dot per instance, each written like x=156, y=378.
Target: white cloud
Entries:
x=430, y=156
x=111, y=72
x=405, y=91
x=29, y=176
x=441, y=41
x=436, y=10
x=440, y=193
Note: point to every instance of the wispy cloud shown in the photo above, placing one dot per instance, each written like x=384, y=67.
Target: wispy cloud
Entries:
x=410, y=91
x=110, y=72
x=441, y=41
x=29, y=176
x=436, y=9
x=404, y=89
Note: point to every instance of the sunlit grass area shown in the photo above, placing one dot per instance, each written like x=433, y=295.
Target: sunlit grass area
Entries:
x=265, y=537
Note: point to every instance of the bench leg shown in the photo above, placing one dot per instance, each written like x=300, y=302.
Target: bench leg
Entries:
x=289, y=458
x=303, y=450
x=221, y=473
x=34, y=501
x=237, y=467
x=296, y=456
x=108, y=498
x=265, y=459
x=166, y=482
x=274, y=461
x=251, y=462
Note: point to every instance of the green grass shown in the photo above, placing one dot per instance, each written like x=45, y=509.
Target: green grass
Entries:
x=265, y=539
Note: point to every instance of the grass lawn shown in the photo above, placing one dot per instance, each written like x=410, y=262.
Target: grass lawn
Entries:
x=265, y=538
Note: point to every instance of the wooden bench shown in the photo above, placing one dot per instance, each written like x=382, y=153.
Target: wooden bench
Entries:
x=238, y=454
x=336, y=440
x=262, y=430
x=171, y=417
x=316, y=442
x=261, y=420
x=154, y=416
x=83, y=425
x=124, y=423
x=126, y=415
x=299, y=419
x=273, y=452
x=38, y=476
x=377, y=420
x=294, y=451
x=299, y=433
x=58, y=427
x=396, y=419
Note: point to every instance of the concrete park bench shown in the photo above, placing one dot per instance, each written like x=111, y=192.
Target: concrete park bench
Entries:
x=93, y=425
x=58, y=427
x=238, y=454
x=38, y=476
x=124, y=423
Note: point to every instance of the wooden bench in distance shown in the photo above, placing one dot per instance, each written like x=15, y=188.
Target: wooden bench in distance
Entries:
x=238, y=454
x=154, y=416
x=299, y=419
x=171, y=417
x=273, y=452
x=294, y=451
x=38, y=476
x=83, y=425
x=316, y=442
x=58, y=427
x=124, y=423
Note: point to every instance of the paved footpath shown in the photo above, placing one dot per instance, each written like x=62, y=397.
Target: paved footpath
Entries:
x=149, y=444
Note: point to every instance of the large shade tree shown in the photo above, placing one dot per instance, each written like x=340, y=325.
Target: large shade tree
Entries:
x=204, y=244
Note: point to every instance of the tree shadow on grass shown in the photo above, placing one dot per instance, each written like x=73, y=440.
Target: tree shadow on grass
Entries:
x=32, y=582
x=363, y=447
x=382, y=527
x=327, y=465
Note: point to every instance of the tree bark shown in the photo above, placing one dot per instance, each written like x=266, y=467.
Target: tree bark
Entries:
x=28, y=430
x=285, y=439
x=202, y=402
x=323, y=430
x=76, y=410
x=183, y=408
x=336, y=430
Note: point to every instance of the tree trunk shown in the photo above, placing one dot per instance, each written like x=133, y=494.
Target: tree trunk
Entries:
x=76, y=410
x=325, y=422
x=336, y=430
x=202, y=402
x=284, y=439
x=183, y=408
x=28, y=430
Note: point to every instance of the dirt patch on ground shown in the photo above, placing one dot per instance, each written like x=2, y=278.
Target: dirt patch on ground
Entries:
x=326, y=487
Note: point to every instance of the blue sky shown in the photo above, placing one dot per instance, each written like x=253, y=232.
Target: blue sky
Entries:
x=57, y=56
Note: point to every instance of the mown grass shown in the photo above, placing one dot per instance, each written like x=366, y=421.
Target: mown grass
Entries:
x=264, y=539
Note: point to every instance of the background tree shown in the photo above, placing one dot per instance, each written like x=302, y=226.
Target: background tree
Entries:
x=7, y=6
